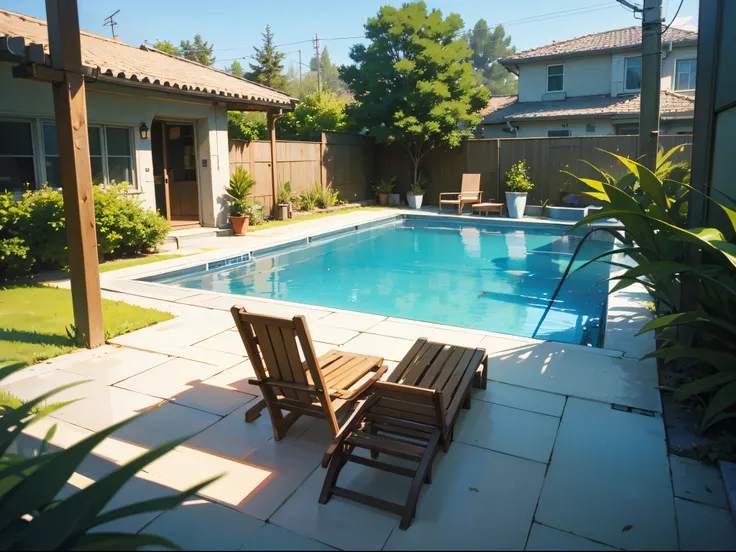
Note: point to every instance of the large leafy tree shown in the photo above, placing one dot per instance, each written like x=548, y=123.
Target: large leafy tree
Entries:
x=414, y=82
x=329, y=73
x=316, y=113
x=198, y=50
x=268, y=66
x=488, y=47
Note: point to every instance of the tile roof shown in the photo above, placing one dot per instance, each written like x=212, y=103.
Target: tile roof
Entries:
x=496, y=103
x=124, y=64
x=617, y=39
x=593, y=107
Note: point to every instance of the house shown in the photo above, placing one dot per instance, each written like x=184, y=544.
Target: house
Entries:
x=589, y=86
x=155, y=121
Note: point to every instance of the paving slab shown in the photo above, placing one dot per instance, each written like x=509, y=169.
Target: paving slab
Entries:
x=236, y=379
x=391, y=348
x=273, y=537
x=330, y=334
x=557, y=368
x=609, y=479
x=520, y=397
x=703, y=527
x=547, y=538
x=508, y=430
x=202, y=525
x=228, y=341
x=407, y=329
x=698, y=482
x=109, y=364
x=356, y=321
x=478, y=500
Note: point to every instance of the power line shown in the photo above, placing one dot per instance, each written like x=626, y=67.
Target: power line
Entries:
x=553, y=15
x=674, y=17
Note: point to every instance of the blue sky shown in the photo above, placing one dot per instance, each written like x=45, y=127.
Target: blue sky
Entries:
x=234, y=26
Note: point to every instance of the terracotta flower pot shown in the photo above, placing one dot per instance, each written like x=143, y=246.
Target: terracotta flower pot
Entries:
x=383, y=199
x=240, y=225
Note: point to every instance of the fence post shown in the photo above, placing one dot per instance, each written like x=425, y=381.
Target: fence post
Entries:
x=322, y=168
x=498, y=171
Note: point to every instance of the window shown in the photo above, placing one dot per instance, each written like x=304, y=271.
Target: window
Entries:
x=114, y=165
x=557, y=133
x=629, y=129
x=590, y=127
x=685, y=74
x=555, y=78
x=632, y=73
x=16, y=155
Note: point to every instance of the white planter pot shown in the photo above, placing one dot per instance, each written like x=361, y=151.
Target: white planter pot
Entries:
x=394, y=199
x=414, y=201
x=516, y=203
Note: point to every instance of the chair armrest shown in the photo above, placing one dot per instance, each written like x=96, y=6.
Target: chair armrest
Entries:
x=449, y=193
x=354, y=393
x=286, y=385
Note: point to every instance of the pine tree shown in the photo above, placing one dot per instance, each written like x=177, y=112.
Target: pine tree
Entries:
x=236, y=69
x=488, y=47
x=168, y=47
x=199, y=51
x=268, y=67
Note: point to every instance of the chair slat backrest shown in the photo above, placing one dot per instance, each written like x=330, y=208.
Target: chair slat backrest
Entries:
x=470, y=187
x=406, y=402
x=277, y=340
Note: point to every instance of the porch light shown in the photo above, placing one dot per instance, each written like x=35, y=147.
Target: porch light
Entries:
x=144, y=131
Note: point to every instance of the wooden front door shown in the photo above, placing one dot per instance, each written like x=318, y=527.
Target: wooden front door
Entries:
x=175, y=172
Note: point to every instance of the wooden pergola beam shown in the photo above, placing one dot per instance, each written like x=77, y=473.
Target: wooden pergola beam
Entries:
x=70, y=106
x=271, y=120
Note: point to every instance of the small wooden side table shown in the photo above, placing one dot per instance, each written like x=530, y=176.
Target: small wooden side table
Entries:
x=485, y=208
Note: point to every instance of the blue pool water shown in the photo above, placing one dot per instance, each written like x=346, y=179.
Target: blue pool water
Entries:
x=482, y=275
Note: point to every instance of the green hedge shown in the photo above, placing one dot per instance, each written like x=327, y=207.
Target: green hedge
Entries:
x=33, y=236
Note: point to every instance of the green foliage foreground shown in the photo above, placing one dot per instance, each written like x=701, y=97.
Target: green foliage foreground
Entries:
x=653, y=210
x=33, y=517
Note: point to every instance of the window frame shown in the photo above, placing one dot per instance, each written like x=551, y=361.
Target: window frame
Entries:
x=34, y=147
x=677, y=73
x=626, y=73
x=562, y=132
x=547, y=75
x=102, y=130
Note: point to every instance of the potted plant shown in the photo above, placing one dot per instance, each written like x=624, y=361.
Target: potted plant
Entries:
x=567, y=197
x=241, y=184
x=284, y=201
x=415, y=195
x=518, y=185
x=384, y=188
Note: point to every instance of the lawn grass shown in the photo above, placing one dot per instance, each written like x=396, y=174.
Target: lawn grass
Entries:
x=313, y=216
x=34, y=321
x=127, y=263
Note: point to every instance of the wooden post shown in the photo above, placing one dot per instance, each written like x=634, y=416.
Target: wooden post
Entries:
x=651, y=63
x=70, y=106
x=322, y=168
x=272, y=137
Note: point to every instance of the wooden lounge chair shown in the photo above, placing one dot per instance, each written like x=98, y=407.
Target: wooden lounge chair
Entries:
x=319, y=387
x=469, y=193
x=409, y=417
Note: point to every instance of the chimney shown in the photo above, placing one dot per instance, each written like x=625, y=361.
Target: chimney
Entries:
x=116, y=38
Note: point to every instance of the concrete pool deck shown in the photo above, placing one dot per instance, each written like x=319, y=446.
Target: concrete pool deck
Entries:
x=565, y=449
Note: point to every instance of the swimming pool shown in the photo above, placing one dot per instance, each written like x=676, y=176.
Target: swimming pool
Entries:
x=483, y=275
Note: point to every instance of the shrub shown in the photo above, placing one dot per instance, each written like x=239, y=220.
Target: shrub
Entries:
x=311, y=197
x=326, y=197
x=33, y=233
x=241, y=185
x=284, y=195
x=517, y=178
x=385, y=186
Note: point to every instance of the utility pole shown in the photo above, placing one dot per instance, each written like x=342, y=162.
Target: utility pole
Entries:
x=319, y=63
x=651, y=65
x=300, y=72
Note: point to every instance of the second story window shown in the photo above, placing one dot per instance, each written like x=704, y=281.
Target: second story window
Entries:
x=555, y=78
x=685, y=74
x=632, y=77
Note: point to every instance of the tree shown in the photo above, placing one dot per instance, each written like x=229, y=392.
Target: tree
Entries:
x=246, y=126
x=268, y=67
x=199, y=51
x=236, y=69
x=329, y=73
x=414, y=83
x=167, y=47
x=488, y=47
x=317, y=113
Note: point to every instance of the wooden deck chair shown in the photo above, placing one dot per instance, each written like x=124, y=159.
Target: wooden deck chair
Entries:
x=469, y=193
x=407, y=420
x=311, y=386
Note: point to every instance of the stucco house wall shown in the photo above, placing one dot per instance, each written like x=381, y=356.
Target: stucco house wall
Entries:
x=127, y=107
x=584, y=76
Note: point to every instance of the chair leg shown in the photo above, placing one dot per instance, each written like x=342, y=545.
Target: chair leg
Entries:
x=281, y=427
x=339, y=459
x=423, y=472
x=254, y=412
x=466, y=402
x=372, y=431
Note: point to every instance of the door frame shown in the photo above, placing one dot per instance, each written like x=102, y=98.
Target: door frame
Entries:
x=193, y=123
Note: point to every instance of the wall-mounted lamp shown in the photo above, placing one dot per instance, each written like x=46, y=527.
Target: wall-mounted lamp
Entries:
x=144, y=131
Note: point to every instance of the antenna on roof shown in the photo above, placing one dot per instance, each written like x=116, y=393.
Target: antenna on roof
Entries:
x=110, y=22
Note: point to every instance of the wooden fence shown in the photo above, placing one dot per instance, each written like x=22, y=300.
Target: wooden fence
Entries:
x=352, y=163
x=547, y=158
x=343, y=161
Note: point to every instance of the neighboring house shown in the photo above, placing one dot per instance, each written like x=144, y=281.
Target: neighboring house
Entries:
x=590, y=86
x=155, y=121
